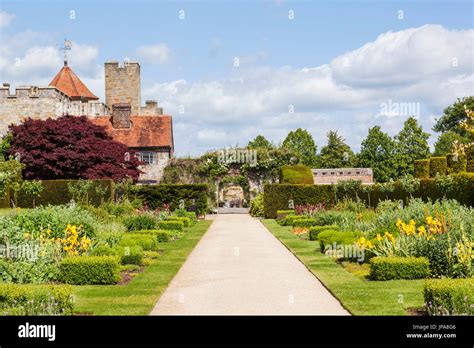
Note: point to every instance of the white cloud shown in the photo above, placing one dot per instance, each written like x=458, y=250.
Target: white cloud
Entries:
x=5, y=19
x=412, y=65
x=154, y=54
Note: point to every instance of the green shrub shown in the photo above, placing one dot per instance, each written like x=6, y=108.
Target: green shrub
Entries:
x=308, y=222
x=82, y=270
x=140, y=222
x=120, y=208
x=151, y=254
x=388, y=268
x=290, y=219
x=103, y=250
x=56, y=192
x=256, y=206
x=146, y=241
x=185, y=220
x=171, y=225
x=438, y=165
x=330, y=237
x=315, y=230
x=456, y=164
x=156, y=196
x=17, y=299
x=22, y=271
x=297, y=174
x=422, y=168
x=162, y=235
x=449, y=296
x=281, y=214
x=189, y=214
x=130, y=255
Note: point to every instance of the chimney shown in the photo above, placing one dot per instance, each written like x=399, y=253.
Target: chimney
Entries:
x=121, y=115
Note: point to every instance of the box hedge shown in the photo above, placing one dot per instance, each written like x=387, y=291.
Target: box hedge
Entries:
x=449, y=296
x=193, y=196
x=388, y=268
x=330, y=237
x=422, y=168
x=186, y=221
x=297, y=174
x=438, y=166
x=171, y=225
x=315, y=230
x=82, y=270
x=161, y=235
x=27, y=299
x=307, y=222
x=281, y=214
x=130, y=255
x=456, y=163
x=143, y=240
x=290, y=219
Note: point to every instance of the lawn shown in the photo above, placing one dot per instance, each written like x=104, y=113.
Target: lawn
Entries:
x=140, y=295
x=359, y=296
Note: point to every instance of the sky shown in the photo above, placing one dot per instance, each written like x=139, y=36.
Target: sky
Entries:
x=228, y=71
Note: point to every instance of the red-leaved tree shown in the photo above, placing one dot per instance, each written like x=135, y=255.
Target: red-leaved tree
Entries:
x=71, y=147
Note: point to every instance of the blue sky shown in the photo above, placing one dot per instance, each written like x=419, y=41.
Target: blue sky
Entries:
x=283, y=62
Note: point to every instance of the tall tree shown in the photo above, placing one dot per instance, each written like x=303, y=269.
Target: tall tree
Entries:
x=336, y=154
x=377, y=152
x=454, y=115
x=302, y=143
x=410, y=144
x=445, y=143
x=260, y=142
x=71, y=148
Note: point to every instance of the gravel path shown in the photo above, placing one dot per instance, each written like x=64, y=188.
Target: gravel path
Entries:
x=239, y=267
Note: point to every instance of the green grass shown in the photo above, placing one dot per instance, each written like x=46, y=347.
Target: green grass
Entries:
x=140, y=295
x=359, y=296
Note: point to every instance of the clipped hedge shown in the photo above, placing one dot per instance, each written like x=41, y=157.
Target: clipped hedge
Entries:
x=145, y=241
x=456, y=164
x=438, y=165
x=130, y=255
x=281, y=214
x=314, y=231
x=297, y=174
x=449, y=296
x=422, y=168
x=21, y=299
x=171, y=225
x=194, y=196
x=278, y=196
x=290, y=219
x=308, y=222
x=161, y=235
x=56, y=192
x=186, y=221
x=82, y=270
x=388, y=268
x=330, y=237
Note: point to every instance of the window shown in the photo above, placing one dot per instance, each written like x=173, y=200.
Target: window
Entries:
x=148, y=157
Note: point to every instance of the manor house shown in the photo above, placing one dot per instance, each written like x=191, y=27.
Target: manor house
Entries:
x=142, y=128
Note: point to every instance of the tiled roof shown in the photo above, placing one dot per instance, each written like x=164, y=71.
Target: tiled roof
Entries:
x=145, y=131
x=68, y=82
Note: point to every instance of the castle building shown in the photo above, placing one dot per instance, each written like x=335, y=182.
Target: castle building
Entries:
x=143, y=129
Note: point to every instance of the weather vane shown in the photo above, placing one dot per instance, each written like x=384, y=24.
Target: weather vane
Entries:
x=67, y=47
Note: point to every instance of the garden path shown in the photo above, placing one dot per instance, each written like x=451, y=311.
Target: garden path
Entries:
x=239, y=267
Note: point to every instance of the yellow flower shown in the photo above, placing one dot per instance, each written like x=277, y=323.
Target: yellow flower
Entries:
x=26, y=235
x=379, y=237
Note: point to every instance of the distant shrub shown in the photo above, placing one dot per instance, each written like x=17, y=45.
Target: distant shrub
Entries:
x=103, y=250
x=256, y=206
x=170, y=225
x=140, y=222
x=449, y=296
x=315, y=230
x=161, y=235
x=281, y=214
x=82, y=270
x=130, y=255
x=146, y=241
x=388, y=268
x=185, y=220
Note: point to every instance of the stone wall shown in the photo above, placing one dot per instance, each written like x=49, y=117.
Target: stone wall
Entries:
x=122, y=85
x=151, y=108
x=334, y=175
x=153, y=173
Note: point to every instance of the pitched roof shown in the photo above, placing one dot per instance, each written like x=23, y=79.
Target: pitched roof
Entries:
x=145, y=131
x=68, y=82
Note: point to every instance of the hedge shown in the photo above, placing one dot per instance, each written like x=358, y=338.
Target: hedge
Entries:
x=27, y=299
x=156, y=196
x=290, y=219
x=161, y=235
x=281, y=214
x=171, y=225
x=449, y=296
x=130, y=255
x=145, y=241
x=456, y=164
x=297, y=174
x=56, y=192
x=307, y=222
x=314, y=231
x=330, y=237
x=422, y=168
x=82, y=270
x=186, y=221
x=438, y=166
x=276, y=196
x=140, y=222
x=388, y=268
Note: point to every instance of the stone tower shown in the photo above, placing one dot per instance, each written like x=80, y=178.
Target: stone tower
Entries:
x=122, y=85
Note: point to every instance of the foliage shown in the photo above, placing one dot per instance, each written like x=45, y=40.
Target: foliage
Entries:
x=314, y=231
x=349, y=187
x=5, y=144
x=331, y=237
x=123, y=207
x=389, y=268
x=456, y=163
x=144, y=221
x=36, y=299
x=306, y=222
x=171, y=225
x=290, y=219
x=410, y=144
x=409, y=184
x=336, y=154
x=422, y=168
x=449, y=296
x=24, y=271
x=185, y=220
x=301, y=142
x=83, y=270
x=297, y=174
x=162, y=236
x=377, y=152
x=145, y=241
x=444, y=145
x=130, y=255
x=259, y=142
x=281, y=214
x=454, y=115
x=33, y=189
x=256, y=206
x=438, y=166
x=71, y=148
x=10, y=172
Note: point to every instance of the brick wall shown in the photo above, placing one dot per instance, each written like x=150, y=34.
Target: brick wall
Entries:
x=334, y=175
